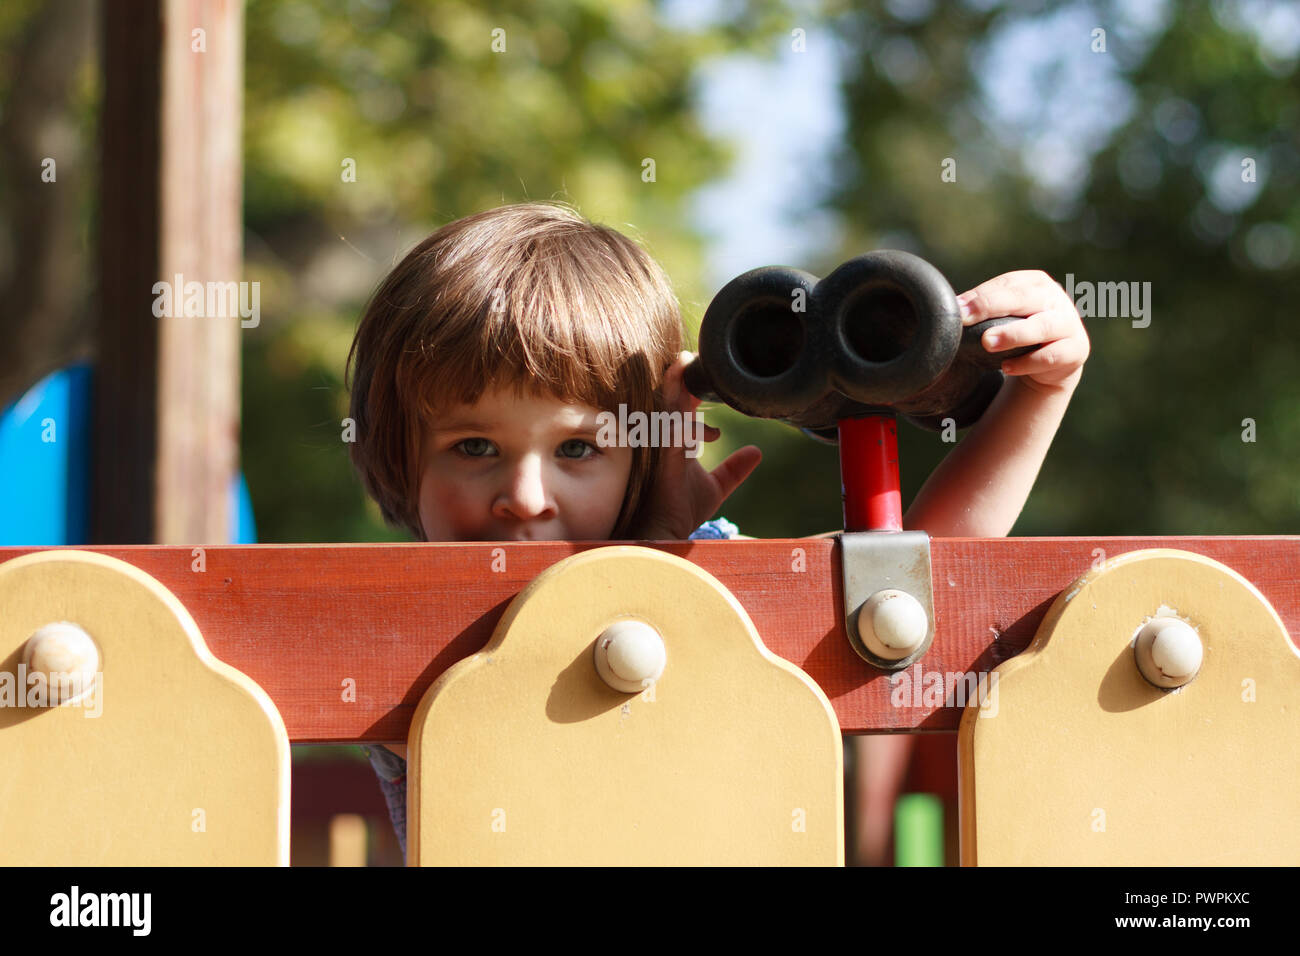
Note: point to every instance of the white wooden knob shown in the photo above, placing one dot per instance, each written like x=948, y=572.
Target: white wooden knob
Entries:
x=1169, y=652
x=892, y=624
x=1177, y=650
x=630, y=656
x=69, y=658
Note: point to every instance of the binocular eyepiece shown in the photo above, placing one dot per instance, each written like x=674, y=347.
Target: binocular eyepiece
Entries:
x=881, y=332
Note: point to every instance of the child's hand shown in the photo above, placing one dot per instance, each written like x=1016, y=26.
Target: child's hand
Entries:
x=1051, y=318
x=682, y=494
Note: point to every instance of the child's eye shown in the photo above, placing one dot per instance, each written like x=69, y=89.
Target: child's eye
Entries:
x=474, y=447
x=577, y=449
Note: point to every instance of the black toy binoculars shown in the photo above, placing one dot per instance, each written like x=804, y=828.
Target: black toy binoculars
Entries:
x=881, y=333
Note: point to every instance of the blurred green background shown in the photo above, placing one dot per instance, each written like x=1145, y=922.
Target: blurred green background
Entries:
x=1115, y=164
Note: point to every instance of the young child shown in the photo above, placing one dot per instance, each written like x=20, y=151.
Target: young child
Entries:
x=484, y=358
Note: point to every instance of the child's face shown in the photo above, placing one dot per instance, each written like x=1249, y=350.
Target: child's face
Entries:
x=520, y=468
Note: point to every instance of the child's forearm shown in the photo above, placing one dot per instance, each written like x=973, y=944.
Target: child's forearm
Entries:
x=979, y=489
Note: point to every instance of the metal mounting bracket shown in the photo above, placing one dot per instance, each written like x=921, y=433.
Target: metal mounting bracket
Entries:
x=877, y=566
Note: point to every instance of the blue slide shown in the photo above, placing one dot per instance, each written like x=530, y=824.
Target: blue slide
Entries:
x=45, y=466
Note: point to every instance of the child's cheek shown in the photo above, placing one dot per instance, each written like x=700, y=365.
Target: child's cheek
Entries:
x=603, y=506
x=449, y=510
x=462, y=510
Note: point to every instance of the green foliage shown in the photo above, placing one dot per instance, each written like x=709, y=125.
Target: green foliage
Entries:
x=440, y=126
x=1152, y=443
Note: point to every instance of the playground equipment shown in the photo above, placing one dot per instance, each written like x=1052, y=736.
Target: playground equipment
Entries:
x=881, y=333
x=1118, y=700
x=842, y=357
x=1069, y=756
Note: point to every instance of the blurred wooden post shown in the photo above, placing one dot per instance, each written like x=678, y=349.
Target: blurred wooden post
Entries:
x=166, y=427
x=347, y=840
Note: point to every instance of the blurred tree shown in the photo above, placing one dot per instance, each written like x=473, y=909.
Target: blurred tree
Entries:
x=48, y=91
x=1170, y=157
x=440, y=110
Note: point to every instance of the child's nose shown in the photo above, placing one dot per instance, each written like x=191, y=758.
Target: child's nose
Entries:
x=525, y=495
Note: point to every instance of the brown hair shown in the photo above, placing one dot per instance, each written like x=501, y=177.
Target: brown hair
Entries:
x=531, y=296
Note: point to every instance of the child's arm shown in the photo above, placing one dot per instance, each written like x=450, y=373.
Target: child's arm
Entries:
x=979, y=489
x=981, y=486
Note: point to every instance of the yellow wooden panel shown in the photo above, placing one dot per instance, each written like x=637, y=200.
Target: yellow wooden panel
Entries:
x=522, y=755
x=175, y=759
x=1085, y=762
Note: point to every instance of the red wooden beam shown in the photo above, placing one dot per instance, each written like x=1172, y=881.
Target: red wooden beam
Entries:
x=303, y=619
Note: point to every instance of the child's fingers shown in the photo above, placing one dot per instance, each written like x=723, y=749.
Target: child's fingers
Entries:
x=1036, y=329
x=1013, y=293
x=676, y=396
x=735, y=469
x=672, y=387
x=695, y=438
x=697, y=427
x=1063, y=356
x=689, y=444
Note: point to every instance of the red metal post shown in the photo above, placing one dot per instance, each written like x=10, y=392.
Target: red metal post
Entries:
x=869, y=473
